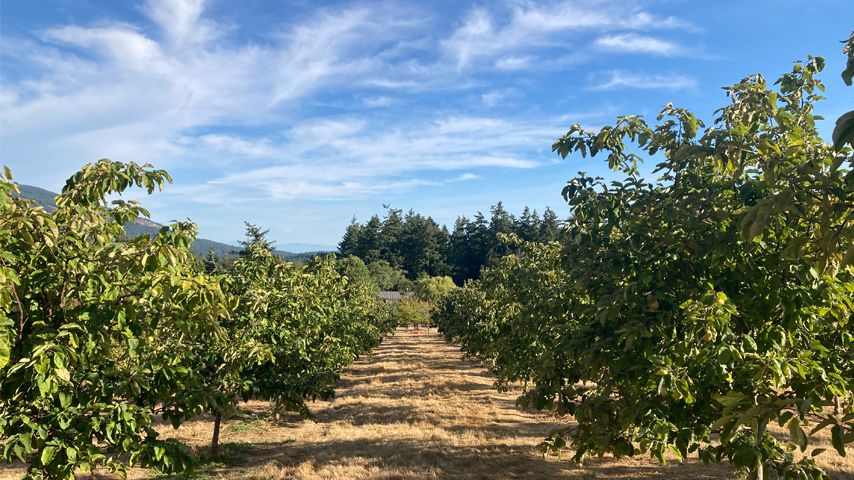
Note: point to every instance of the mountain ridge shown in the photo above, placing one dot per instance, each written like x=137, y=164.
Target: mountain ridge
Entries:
x=200, y=246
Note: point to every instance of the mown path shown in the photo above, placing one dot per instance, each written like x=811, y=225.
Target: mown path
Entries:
x=413, y=410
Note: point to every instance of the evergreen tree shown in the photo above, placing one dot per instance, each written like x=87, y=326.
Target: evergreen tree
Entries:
x=416, y=245
x=369, y=245
x=500, y=223
x=528, y=225
x=349, y=245
x=391, y=237
x=255, y=236
x=550, y=227
x=211, y=261
x=460, y=253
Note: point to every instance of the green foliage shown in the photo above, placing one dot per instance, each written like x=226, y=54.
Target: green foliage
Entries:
x=140, y=226
x=848, y=73
x=99, y=333
x=212, y=261
x=416, y=246
x=387, y=277
x=42, y=197
x=356, y=271
x=81, y=315
x=433, y=289
x=844, y=131
x=714, y=300
x=255, y=236
x=412, y=311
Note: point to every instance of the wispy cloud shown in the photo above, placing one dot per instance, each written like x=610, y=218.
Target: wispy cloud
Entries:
x=337, y=103
x=181, y=21
x=345, y=158
x=634, y=43
x=381, y=101
x=514, y=63
x=492, y=97
x=625, y=79
x=464, y=177
x=546, y=24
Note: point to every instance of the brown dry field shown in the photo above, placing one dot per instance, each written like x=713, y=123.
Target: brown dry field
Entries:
x=414, y=410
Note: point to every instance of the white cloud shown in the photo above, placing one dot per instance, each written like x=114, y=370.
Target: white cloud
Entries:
x=238, y=119
x=496, y=97
x=347, y=158
x=181, y=20
x=116, y=91
x=464, y=177
x=625, y=79
x=120, y=44
x=375, y=102
x=513, y=62
x=491, y=98
x=634, y=43
x=544, y=24
x=235, y=145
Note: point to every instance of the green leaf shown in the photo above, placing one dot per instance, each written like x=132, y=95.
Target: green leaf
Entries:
x=844, y=131
x=63, y=374
x=6, y=350
x=836, y=438
x=26, y=439
x=47, y=454
x=722, y=421
x=133, y=345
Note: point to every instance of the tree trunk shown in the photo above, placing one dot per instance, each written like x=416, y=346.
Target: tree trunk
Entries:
x=215, y=441
x=759, y=472
x=837, y=405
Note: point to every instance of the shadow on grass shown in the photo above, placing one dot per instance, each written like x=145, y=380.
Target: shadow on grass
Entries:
x=411, y=459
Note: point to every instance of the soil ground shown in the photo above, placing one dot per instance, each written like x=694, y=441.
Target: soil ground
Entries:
x=413, y=410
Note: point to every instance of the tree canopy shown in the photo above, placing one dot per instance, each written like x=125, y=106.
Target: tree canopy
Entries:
x=712, y=300
x=416, y=245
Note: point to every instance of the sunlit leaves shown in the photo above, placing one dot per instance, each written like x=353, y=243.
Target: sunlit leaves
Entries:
x=99, y=333
x=711, y=300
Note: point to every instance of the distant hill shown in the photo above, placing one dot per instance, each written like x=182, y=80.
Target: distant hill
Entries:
x=201, y=246
x=308, y=247
x=43, y=198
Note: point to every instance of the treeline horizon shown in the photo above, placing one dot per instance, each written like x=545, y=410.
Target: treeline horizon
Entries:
x=415, y=245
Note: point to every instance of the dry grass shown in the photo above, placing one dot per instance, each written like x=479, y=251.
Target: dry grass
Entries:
x=414, y=410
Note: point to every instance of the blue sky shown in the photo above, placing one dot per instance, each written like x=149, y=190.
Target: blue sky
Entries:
x=299, y=115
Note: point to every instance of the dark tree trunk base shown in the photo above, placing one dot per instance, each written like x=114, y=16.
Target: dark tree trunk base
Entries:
x=215, y=441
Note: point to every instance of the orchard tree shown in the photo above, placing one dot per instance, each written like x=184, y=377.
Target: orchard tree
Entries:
x=713, y=300
x=844, y=131
x=356, y=271
x=432, y=289
x=99, y=333
x=718, y=298
x=412, y=311
x=80, y=315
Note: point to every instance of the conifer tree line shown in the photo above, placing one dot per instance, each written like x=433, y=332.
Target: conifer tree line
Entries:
x=407, y=246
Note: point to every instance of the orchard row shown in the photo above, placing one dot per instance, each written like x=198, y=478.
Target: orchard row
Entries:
x=687, y=313
x=99, y=334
